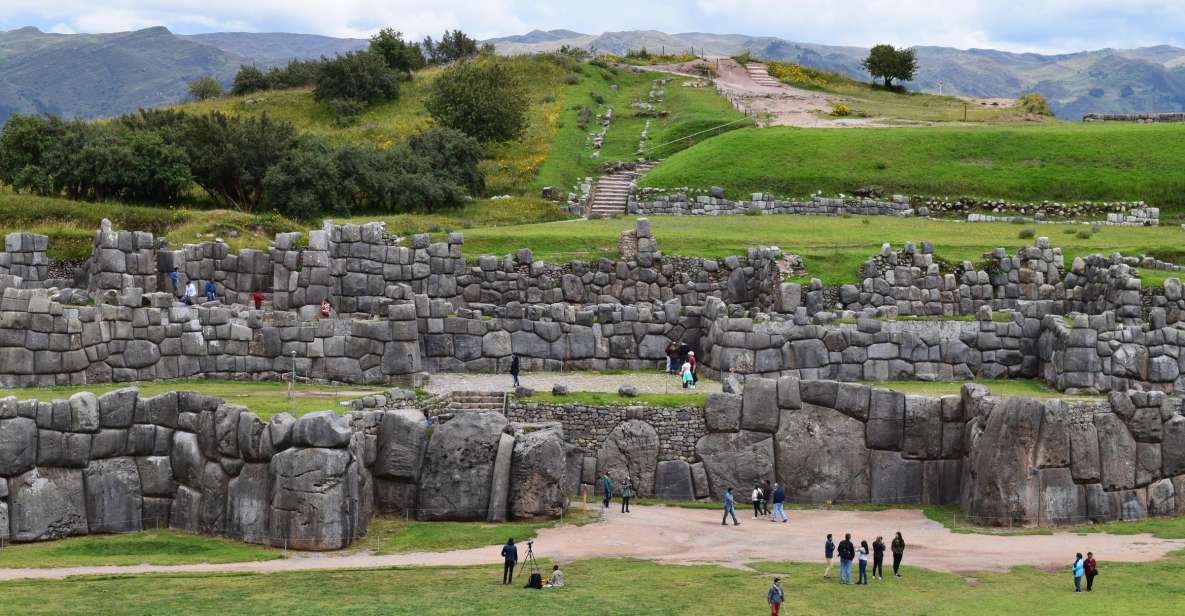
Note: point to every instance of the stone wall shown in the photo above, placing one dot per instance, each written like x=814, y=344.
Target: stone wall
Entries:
x=1140, y=118
x=24, y=257
x=121, y=462
x=710, y=205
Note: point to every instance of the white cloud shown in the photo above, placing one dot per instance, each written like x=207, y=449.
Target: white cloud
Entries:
x=1018, y=25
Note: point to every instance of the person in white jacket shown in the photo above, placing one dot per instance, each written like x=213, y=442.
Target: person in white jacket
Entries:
x=758, y=498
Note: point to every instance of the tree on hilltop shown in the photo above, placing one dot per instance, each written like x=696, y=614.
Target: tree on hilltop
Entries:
x=356, y=76
x=889, y=63
x=205, y=88
x=454, y=45
x=403, y=56
x=249, y=79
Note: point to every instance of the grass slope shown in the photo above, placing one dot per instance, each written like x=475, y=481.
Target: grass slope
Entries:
x=1032, y=163
x=833, y=247
x=160, y=547
x=610, y=587
x=265, y=398
x=391, y=535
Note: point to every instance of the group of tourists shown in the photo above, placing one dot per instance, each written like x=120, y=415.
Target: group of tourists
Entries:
x=848, y=552
x=1085, y=568
x=682, y=356
x=625, y=489
x=187, y=294
x=764, y=495
x=510, y=561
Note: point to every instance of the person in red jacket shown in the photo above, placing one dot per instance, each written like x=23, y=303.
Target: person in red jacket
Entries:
x=257, y=297
x=691, y=360
x=1092, y=569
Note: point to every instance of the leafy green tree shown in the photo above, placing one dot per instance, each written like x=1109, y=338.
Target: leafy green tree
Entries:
x=454, y=45
x=305, y=182
x=205, y=88
x=452, y=154
x=249, y=79
x=25, y=145
x=1034, y=103
x=230, y=155
x=889, y=63
x=481, y=98
x=358, y=76
x=295, y=74
x=403, y=56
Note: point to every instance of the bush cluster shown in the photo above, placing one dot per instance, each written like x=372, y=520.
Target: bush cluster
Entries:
x=252, y=164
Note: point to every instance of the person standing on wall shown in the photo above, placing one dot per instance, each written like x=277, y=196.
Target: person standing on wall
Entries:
x=257, y=297
x=211, y=292
x=607, y=489
x=175, y=280
x=509, y=560
x=1092, y=569
x=729, y=509
x=847, y=553
x=779, y=504
x=627, y=492
x=775, y=597
x=898, y=548
x=828, y=554
x=190, y=293
x=878, y=558
x=514, y=366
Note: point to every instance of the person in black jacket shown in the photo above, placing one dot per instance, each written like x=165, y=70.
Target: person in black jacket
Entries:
x=878, y=558
x=847, y=553
x=514, y=369
x=510, y=559
x=898, y=548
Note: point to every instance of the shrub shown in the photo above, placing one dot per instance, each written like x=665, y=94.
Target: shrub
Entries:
x=600, y=100
x=346, y=112
x=1034, y=103
x=230, y=155
x=358, y=76
x=571, y=79
x=481, y=98
x=400, y=55
x=205, y=88
x=881, y=165
x=840, y=110
x=743, y=58
x=305, y=183
x=1026, y=234
x=249, y=79
x=1084, y=234
x=295, y=74
x=454, y=45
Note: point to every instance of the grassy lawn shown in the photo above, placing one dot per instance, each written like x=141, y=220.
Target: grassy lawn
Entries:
x=998, y=387
x=1050, y=161
x=394, y=535
x=832, y=247
x=160, y=547
x=608, y=587
x=264, y=398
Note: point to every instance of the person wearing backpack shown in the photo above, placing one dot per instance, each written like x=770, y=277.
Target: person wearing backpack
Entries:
x=847, y=553
x=758, y=496
x=607, y=489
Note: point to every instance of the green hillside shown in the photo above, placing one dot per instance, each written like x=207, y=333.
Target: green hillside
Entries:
x=1033, y=163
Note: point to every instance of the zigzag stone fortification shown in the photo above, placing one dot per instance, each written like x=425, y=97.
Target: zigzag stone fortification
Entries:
x=792, y=356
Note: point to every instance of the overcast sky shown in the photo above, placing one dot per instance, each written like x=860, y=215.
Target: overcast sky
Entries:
x=1014, y=25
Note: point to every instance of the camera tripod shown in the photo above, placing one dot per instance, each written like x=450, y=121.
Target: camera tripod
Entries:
x=529, y=558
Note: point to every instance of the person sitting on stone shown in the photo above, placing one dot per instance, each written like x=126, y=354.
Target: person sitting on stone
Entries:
x=325, y=308
x=557, y=578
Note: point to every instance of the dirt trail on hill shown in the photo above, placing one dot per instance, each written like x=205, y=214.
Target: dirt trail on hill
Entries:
x=676, y=535
x=784, y=104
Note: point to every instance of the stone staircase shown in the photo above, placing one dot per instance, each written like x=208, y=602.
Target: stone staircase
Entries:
x=465, y=401
x=611, y=193
x=758, y=73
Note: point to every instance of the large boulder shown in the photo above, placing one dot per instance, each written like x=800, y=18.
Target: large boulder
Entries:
x=630, y=449
x=117, y=408
x=320, y=429
x=759, y=412
x=895, y=479
x=672, y=481
x=1062, y=501
x=248, y=504
x=500, y=480
x=47, y=503
x=722, y=412
x=1084, y=450
x=922, y=437
x=537, y=473
x=459, y=466
x=313, y=503
x=886, y=420
x=1117, y=452
x=84, y=412
x=1172, y=449
x=403, y=436
x=156, y=476
x=215, y=483
x=821, y=456
x=736, y=460
x=1162, y=498
x=113, y=496
x=18, y=445
x=999, y=487
x=186, y=459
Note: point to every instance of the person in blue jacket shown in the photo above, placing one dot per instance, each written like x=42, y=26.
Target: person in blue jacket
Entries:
x=210, y=291
x=509, y=560
x=1079, y=571
x=729, y=509
x=607, y=489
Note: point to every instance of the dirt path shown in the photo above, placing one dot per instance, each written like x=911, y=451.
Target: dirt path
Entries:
x=784, y=105
x=654, y=382
x=679, y=536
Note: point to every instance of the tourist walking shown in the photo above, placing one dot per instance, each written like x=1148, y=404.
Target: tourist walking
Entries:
x=898, y=548
x=847, y=553
x=767, y=495
x=878, y=558
x=211, y=292
x=627, y=492
x=607, y=489
x=729, y=509
x=685, y=375
x=1091, y=569
x=863, y=579
x=514, y=370
x=758, y=498
x=1079, y=571
x=779, y=504
x=257, y=297
x=828, y=554
x=509, y=559
x=776, y=596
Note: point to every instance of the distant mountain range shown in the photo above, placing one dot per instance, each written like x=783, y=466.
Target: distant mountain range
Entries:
x=1107, y=80
x=94, y=75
